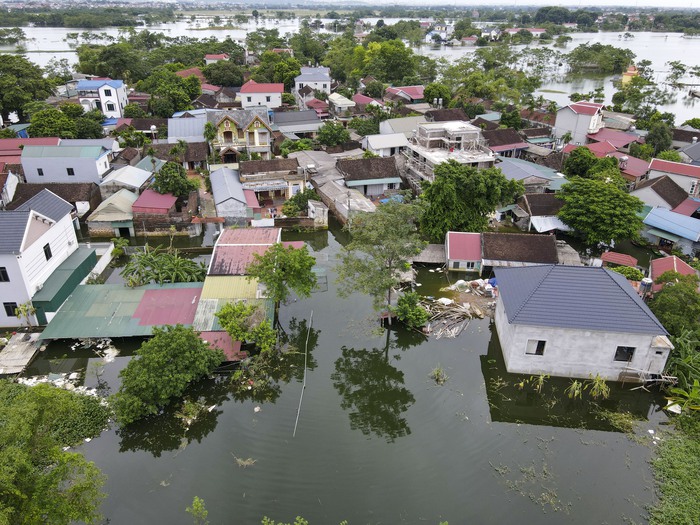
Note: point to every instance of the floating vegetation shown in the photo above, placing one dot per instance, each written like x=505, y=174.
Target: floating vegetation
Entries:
x=575, y=389
x=439, y=375
x=244, y=463
x=535, y=484
x=622, y=421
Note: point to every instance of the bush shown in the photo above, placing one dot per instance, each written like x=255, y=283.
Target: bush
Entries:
x=410, y=312
x=633, y=274
x=299, y=203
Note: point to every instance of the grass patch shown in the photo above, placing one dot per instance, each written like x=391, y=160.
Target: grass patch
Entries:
x=676, y=470
x=622, y=421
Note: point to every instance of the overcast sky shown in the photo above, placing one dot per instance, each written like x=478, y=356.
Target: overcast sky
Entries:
x=565, y=3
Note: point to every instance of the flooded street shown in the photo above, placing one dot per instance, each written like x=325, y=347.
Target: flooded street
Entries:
x=377, y=440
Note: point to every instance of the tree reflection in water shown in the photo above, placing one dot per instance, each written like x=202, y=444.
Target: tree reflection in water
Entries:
x=373, y=390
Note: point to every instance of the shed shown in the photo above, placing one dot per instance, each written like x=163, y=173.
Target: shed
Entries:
x=154, y=203
x=114, y=216
x=517, y=249
x=620, y=259
x=229, y=196
x=463, y=251
x=374, y=176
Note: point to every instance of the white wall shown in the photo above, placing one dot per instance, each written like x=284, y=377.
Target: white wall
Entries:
x=684, y=182
x=14, y=291
x=324, y=86
x=649, y=197
x=260, y=99
x=231, y=208
x=577, y=124
x=572, y=352
x=56, y=169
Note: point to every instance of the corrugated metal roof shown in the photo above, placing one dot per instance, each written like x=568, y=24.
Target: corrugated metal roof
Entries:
x=147, y=164
x=89, y=85
x=237, y=236
x=52, y=286
x=234, y=260
x=225, y=185
x=117, y=207
x=129, y=176
x=205, y=319
x=191, y=129
x=13, y=224
x=663, y=219
x=48, y=204
x=153, y=199
x=229, y=287
x=389, y=140
x=579, y=297
x=463, y=246
x=73, y=152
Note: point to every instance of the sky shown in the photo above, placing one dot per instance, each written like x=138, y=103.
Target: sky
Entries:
x=575, y=4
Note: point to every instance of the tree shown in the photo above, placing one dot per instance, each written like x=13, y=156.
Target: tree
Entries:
x=133, y=110
x=436, y=90
x=511, y=119
x=283, y=269
x=289, y=146
x=223, y=73
x=632, y=274
x=409, y=311
x=163, y=368
x=21, y=81
x=389, y=61
x=382, y=243
x=642, y=151
x=374, y=89
x=333, y=134
x=670, y=154
x=40, y=482
x=446, y=207
x=693, y=123
x=72, y=109
x=7, y=133
x=247, y=322
x=659, y=137
x=600, y=212
x=677, y=304
x=579, y=161
x=154, y=266
x=172, y=178
x=88, y=128
x=198, y=511
x=52, y=122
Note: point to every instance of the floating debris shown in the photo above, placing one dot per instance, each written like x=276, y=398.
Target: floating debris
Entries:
x=257, y=409
x=245, y=463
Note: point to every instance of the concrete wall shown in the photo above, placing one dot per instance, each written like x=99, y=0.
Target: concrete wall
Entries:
x=261, y=99
x=577, y=124
x=574, y=353
x=650, y=198
x=232, y=208
x=686, y=246
x=13, y=291
x=684, y=182
x=56, y=169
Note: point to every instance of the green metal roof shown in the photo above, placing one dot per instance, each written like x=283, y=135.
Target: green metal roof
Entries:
x=540, y=140
x=229, y=287
x=51, y=152
x=71, y=271
x=367, y=182
x=103, y=310
x=663, y=234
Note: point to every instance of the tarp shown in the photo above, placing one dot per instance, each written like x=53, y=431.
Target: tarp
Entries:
x=548, y=223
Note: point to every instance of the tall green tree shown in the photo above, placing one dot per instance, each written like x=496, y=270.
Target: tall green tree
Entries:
x=462, y=197
x=52, y=122
x=579, y=161
x=21, y=81
x=677, y=304
x=660, y=137
x=163, y=368
x=437, y=90
x=172, y=178
x=40, y=482
x=382, y=243
x=224, y=73
x=600, y=211
x=333, y=134
x=284, y=269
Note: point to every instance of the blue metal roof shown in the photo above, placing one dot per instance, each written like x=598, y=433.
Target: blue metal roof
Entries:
x=680, y=225
x=89, y=85
x=579, y=297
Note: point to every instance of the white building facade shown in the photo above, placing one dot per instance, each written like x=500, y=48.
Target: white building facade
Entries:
x=109, y=96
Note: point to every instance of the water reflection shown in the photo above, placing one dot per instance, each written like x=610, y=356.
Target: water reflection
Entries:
x=513, y=398
x=168, y=431
x=373, y=391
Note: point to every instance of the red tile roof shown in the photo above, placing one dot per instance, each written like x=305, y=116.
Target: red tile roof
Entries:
x=668, y=264
x=415, y=92
x=463, y=246
x=250, y=236
x=585, y=108
x=619, y=258
x=191, y=71
x=154, y=200
x=221, y=56
x=316, y=104
x=222, y=341
x=677, y=168
x=619, y=139
x=634, y=167
x=210, y=87
x=363, y=100
x=253, y=87
x=687, y=207
x=599, y=149
x=234, y=260
x=250, y=199
x=168, y=306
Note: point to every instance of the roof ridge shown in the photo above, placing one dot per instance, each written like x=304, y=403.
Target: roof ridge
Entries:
x=534, y=289
x=627, y=292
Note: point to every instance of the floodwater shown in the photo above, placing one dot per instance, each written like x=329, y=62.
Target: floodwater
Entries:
x=377, y=440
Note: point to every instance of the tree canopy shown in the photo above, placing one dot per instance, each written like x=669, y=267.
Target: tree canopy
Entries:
x=161, y=370
x=677, y=304
x=224, y=73
x=382, y=242
x=283, y=269
x=172, y=178
x=155, y=266
x=40, y=482
x=447, y=207
x=21, y=81
x=333, y=134
x=600, y=211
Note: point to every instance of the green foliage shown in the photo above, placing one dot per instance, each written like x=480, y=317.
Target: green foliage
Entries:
x=670, y=154
x=21, y=81
x=369, y=155
x=265, y=337
x=633, y=274
x=161, y=371
x=198, y=511
x=598, y=387
x=288, y=99
x=693, y=123
x=120, y=243
x=170, y=92
x=600, y=211
x=290, y=146
x=238, y=319
x=52, y=122
x=223, y=73
x=684, y=361
x=364, y=126
x=299, y=203
x=333, y=134
x=374, y=89
x=436, y=90
x=409, y=311
x=155, y=266
x=579, y=161
x=601, y=58
x=283, y=269
x=172, y=178
x=133, y=110
x=72, y=109
x=642, y=151
x=88, y=128
x=40, y=483
x=511, y=119
x=677, y=304
x=659, y=137
x=7, y=133
x=575, y=389
x=382, y=242
x=446, y=208
x=130, y=138
x=390, y=61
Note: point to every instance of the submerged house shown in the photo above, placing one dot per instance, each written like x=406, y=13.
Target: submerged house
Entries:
x=577, y=321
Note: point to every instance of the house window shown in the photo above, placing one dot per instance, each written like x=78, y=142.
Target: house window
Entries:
x=535, y=347
x=10, y=309
x=4, y=276
x=455, y=265
x=324, y=86
x=47, y=251
x=108, y=92
x=250, y=99
x=470, y=265
x=110, y=106
x=70, y=171
x=40, y=172
x=624, y=353
x=268, y=99
x=693, y=187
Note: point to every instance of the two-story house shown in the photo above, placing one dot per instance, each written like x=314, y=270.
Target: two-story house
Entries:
x=315, y=78
x=253, y=94
x=240, y=132
x=580, y=119
x=38, y=240
x=273, y=181
x=42, y=164
x=107, y=95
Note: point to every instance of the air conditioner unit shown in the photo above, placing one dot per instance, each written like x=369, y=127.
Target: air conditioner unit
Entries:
x=39, y=287
x=70, y=243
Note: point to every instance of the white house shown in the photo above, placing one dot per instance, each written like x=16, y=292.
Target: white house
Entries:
x=36, y=238
x=685, y=175
x=580, y=119
x=229, y=195
x=660, y=191
x=340, y=104
x=317, y=78
x=253, y=94
x=107, y=95
x=463, y=251
x=385, y=145
x=214, y=58
x=577, y=321
x=42, y=164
